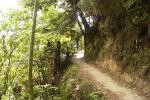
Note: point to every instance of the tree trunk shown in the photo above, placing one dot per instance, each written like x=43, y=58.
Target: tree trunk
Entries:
x=92, y=45
x=31, y=51
x=93, y=38
x=149, y=30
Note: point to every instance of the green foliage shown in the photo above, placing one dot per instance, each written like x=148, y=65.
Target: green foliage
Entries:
x=17, y=27
x=91, y=7
x=73, y=87
x=45, y=91
x=129, y=3
x=66, y=90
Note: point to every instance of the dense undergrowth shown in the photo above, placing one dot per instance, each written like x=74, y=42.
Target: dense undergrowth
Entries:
x=131, y=65
x=70, y=87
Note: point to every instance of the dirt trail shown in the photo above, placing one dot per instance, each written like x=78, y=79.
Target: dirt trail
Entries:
x=105, y=81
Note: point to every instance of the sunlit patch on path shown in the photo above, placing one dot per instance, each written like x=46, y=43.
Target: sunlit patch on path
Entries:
x=79, y=54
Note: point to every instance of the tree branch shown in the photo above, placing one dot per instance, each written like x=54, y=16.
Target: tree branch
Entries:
x=82, y=31
x=84, y=21
x=7, y=57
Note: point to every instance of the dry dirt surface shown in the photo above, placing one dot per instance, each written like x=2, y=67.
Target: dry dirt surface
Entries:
x=102, y=81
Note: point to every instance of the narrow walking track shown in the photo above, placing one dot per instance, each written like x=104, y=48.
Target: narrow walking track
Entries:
x=105, y=81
